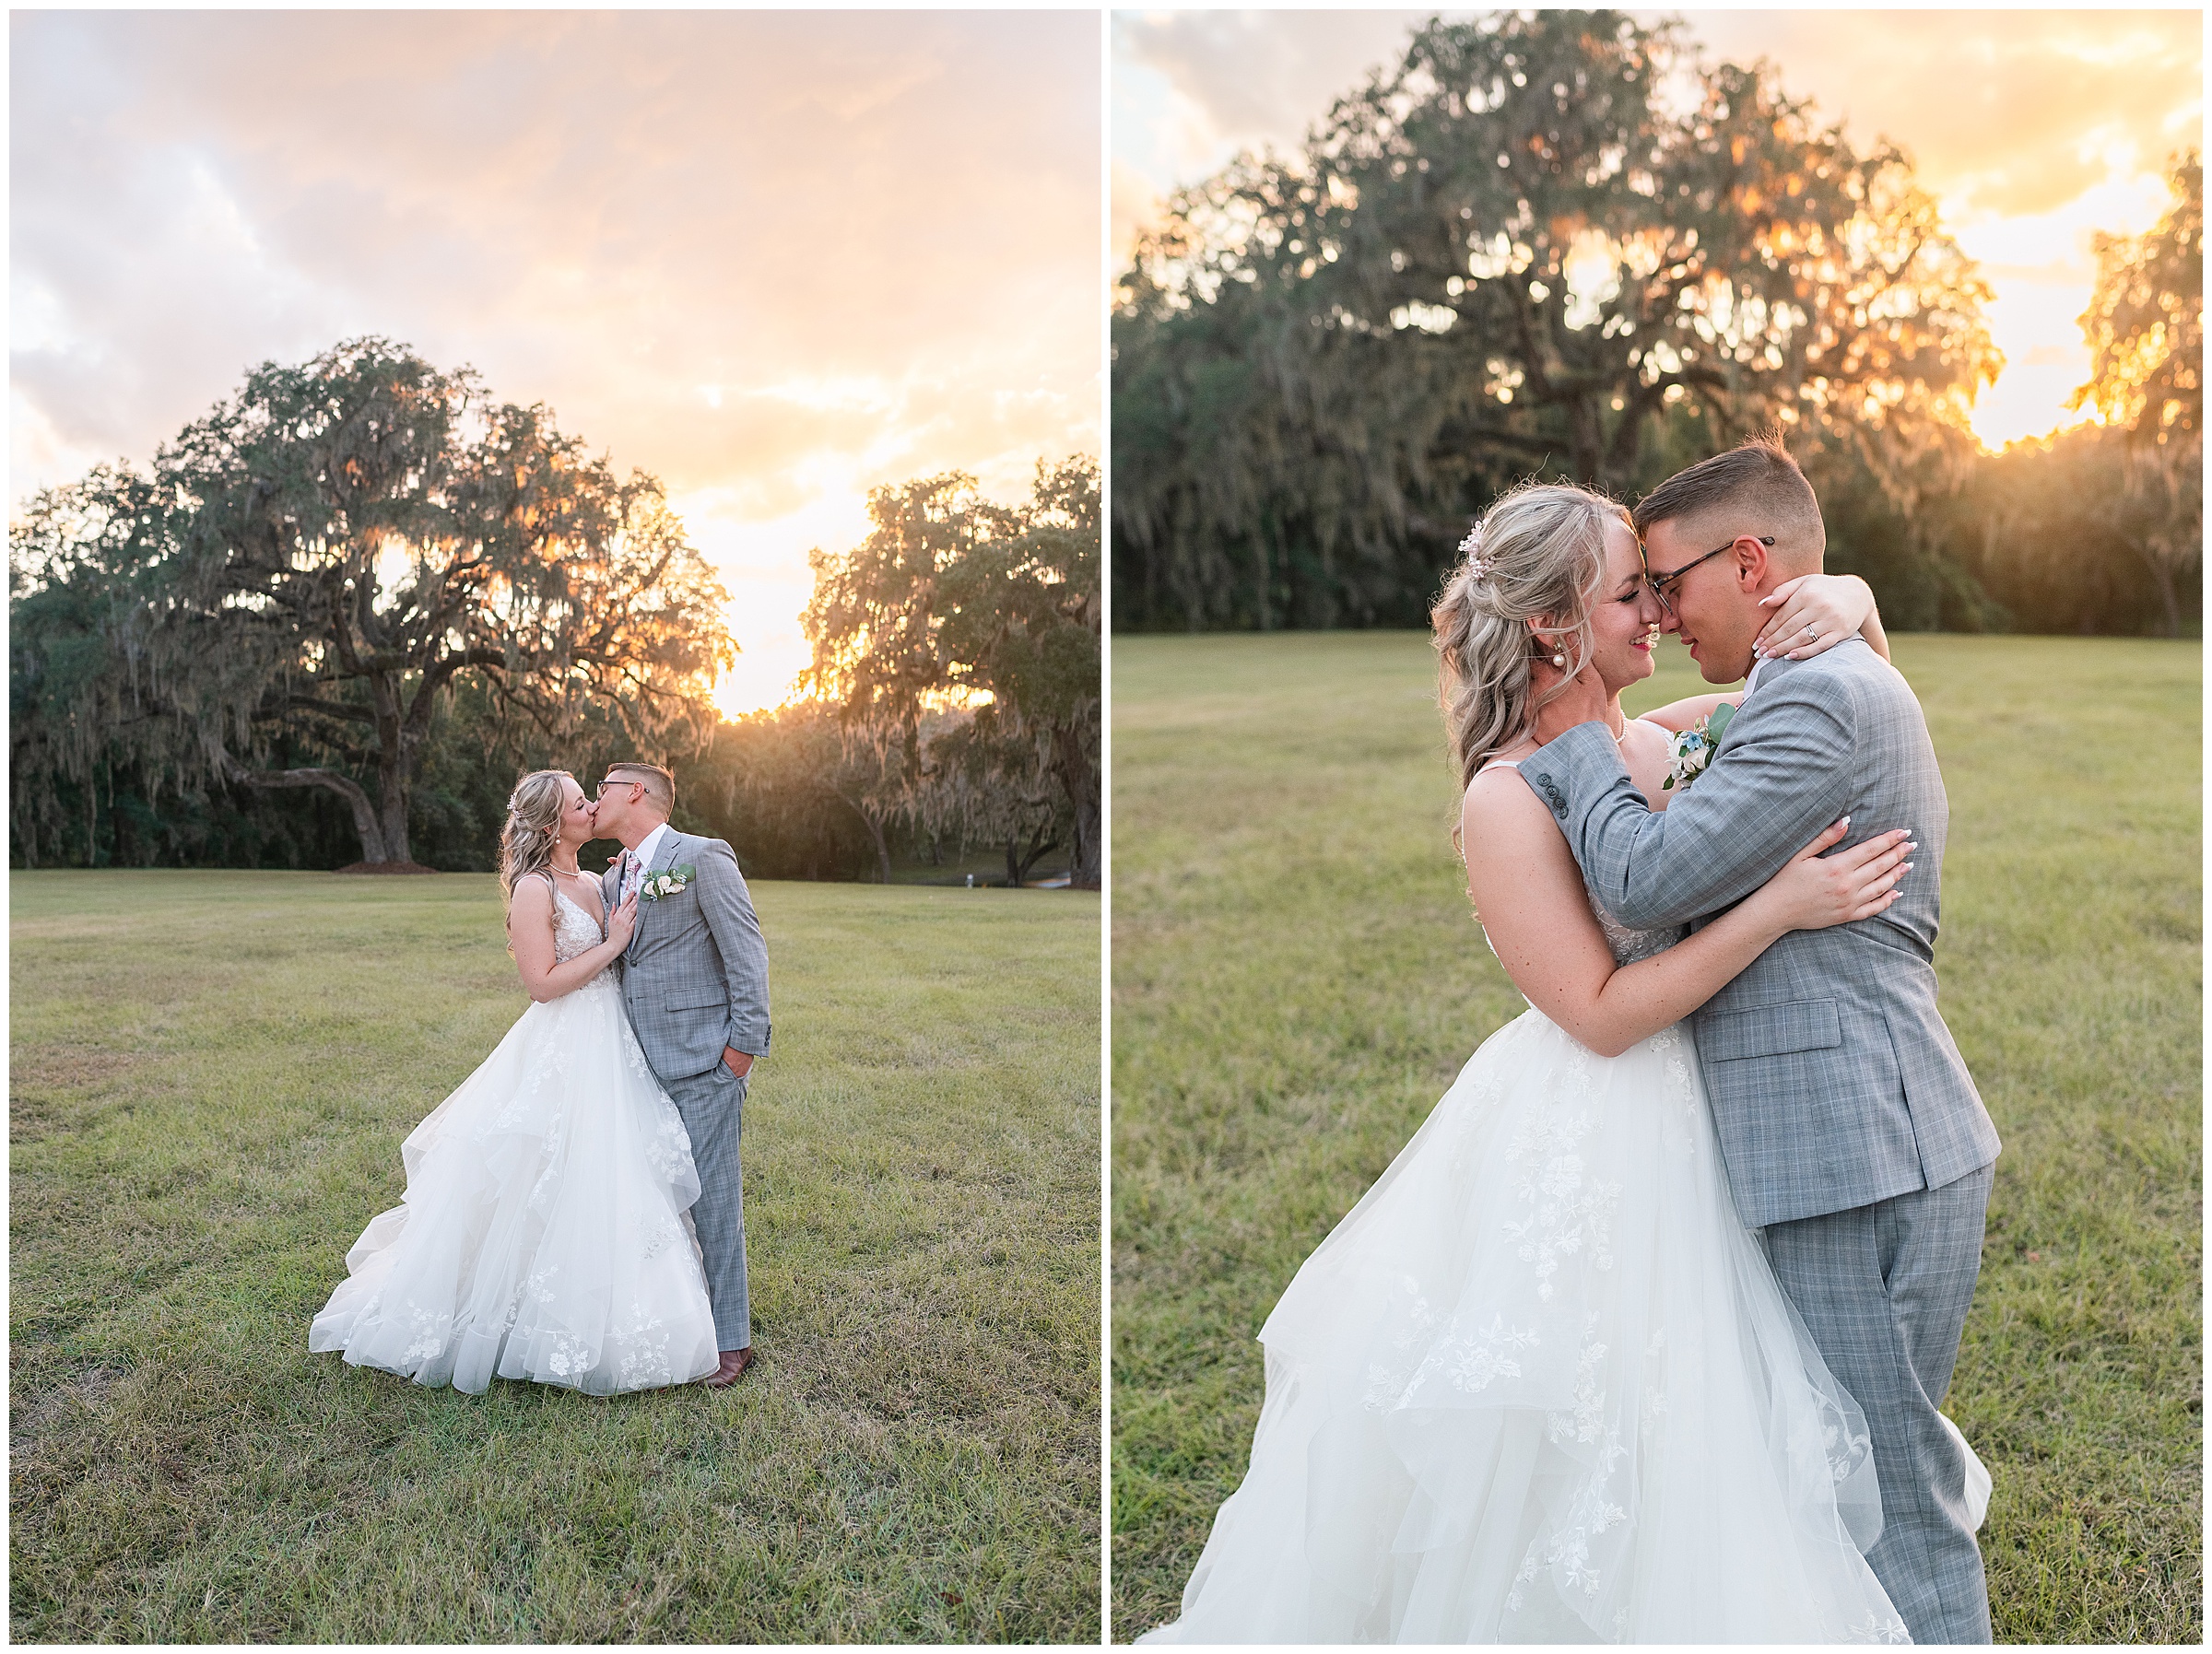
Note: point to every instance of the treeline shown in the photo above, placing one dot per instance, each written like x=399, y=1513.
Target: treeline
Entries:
x=334, y=619
x=1515, y=253
x=776, y=784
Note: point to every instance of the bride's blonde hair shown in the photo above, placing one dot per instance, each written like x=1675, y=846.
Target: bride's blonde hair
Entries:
x=533, y=829
x=1537, y=555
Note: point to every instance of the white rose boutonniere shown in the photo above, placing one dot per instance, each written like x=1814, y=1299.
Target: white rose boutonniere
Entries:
x=667, y=883
x=1690, y=751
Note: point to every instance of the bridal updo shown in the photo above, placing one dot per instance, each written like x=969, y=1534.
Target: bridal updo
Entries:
x=533, y=828
x=1537, y=555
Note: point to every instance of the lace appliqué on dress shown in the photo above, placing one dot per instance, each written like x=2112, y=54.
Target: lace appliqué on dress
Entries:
x=1628, y=942
x=1569, y=1210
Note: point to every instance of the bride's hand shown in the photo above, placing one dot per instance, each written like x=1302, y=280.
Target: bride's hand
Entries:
x=1813, y=892
x=1832, y=606
x=1584, y=701
x=622, y=921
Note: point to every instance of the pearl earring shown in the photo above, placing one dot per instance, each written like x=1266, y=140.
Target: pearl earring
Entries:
x=1558, y=660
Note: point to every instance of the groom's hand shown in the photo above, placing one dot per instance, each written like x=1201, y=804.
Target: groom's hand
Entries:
x=739, y=1063
x=1584, y=701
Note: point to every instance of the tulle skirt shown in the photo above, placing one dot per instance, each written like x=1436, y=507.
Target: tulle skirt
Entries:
x=546, y=1231
x=1541, y=1385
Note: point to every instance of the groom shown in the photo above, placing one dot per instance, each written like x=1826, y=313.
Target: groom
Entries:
x=695, y=983
x=1851, y=1129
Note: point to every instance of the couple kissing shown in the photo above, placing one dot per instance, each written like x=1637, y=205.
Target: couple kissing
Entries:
x=574, y=1212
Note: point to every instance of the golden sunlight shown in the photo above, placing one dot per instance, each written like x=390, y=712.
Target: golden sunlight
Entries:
x=2033, y=130
x=766, y=674
x=763, y=564
x=2042, y=269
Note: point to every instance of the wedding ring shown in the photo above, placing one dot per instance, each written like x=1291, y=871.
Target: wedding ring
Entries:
x=1810, y=633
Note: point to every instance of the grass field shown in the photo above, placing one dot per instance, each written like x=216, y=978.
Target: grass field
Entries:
x=210, y=1076
x=1297, y=979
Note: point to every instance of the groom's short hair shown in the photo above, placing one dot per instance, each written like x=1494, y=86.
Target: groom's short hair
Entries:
x=1756, y=487
x=660, y=786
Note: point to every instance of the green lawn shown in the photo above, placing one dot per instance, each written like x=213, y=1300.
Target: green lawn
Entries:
x=210, y=1076
x=1297, y=979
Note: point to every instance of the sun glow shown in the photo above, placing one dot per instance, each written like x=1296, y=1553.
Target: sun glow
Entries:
x=2042, y=269
x=763, y=564
x=2033, y=130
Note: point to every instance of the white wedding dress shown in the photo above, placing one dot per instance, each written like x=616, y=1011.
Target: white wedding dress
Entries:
x=1541, y=1385
x=545, y=1233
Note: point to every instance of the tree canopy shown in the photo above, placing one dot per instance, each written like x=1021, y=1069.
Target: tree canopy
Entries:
x=954, y=601
x=287, y=595
x=2146, y=331
x=2145, y=320
x=1548, y=241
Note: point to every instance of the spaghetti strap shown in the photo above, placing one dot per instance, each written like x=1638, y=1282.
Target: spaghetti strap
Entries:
x=1500, y=764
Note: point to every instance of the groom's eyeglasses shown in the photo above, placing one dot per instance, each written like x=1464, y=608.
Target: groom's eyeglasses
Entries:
x=604, y=786
x=1661, y=584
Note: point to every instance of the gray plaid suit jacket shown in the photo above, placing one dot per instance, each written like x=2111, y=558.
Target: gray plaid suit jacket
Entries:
x=695, y=976
x=1834, y=1083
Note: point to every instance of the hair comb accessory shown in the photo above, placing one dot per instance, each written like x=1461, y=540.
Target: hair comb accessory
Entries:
x=1471, y=549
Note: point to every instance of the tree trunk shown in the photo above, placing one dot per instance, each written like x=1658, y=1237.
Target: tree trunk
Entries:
x=365, y=821
x=883, y=851
x=2168, y=598
x=873, y=821
x=1585, y=444
x=1020, y=862
x=395, y=768
x=2162, y=577
x=394, y=813
x=1079, y=777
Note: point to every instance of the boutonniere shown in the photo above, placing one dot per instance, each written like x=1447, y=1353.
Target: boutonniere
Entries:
x=658, y=885
x=1690, y=751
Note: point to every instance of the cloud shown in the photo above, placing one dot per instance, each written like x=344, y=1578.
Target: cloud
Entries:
x=2017, y=111
x=873, y=235
x=1192, y=88
x=2004, y=113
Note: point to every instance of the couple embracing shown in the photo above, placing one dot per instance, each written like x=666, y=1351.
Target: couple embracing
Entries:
x=1642, y=1337
x=574, y=1212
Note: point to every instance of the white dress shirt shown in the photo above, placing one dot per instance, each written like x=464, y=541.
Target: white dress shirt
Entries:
x=633, y=873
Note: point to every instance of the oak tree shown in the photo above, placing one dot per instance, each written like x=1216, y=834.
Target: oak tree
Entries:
x=1524, y=247
x=311, y=567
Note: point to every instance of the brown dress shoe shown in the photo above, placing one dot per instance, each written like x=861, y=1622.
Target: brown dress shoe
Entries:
x=734, y=1363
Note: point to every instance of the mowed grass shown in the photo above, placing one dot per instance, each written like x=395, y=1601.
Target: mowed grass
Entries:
x=1296, y=977
x=210, y=1076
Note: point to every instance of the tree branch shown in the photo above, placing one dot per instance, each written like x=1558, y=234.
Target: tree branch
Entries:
x=332, y=781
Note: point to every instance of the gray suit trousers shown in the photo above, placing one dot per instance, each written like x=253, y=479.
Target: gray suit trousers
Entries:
x=1884, y=1291
x=712, y=1105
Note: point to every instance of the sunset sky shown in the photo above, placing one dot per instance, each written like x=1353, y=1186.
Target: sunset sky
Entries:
x=2031, y=128
x=773, y=258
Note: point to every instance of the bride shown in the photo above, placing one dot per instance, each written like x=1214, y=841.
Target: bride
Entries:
x=545, y=1233
x=1540, y=1385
